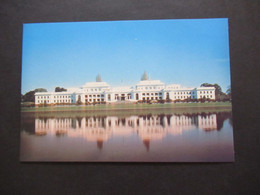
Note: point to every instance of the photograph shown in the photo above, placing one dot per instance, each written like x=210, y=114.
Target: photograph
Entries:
x=126, y=91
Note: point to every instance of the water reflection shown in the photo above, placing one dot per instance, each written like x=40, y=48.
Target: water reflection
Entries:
x=147, y=127
x=146, y=137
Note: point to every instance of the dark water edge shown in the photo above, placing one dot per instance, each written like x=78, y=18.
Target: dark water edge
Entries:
x=152, y=136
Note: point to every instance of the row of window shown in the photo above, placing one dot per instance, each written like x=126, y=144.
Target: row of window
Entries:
x=152, y=98
x=55, y=101
x=94, y=100
x=59, y=96
x=63, y=101
x=184, y=97
x=62, y=96
x=42, y=101
x=43, y=97
x=172, y=87
x=140, y=88
x=208, y=96
x=204, y=92
x=92, y=89
x=184, y=92
x=87, y=96
x=151, y=94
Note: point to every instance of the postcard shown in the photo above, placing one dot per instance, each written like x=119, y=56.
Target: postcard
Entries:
x=126, y=91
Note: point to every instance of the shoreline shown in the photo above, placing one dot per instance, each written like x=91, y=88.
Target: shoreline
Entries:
x=124, y=110
x=106, y=107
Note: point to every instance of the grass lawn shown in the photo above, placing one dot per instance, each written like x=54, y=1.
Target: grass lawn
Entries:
x=123, y=109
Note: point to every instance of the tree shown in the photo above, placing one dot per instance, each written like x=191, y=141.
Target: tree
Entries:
x=98, y=78
x=29, y=96
x=144, y=76
x=60, y=89
x=218, y=91
x=228, y=92
x=40, y=90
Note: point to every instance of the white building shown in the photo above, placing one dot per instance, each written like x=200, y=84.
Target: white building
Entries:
x=145, y=90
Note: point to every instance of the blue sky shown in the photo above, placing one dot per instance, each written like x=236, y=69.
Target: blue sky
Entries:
x=187, y=52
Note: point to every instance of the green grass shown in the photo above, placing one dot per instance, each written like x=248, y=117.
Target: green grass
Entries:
x=126, y=109
x=123, y=106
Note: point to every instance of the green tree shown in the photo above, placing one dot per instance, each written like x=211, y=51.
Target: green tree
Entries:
x=40, y=90
x=29, y=96
x=60, y=89
x=228, y=92
x=218, y=91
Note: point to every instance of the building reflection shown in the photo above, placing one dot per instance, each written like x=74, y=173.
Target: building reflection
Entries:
x=147, y=127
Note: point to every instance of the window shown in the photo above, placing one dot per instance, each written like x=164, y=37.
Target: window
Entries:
x=160, y=93
x=151, y=93
x=156, y=93
x=143, y=94
x=98, y=95
x=147, y=93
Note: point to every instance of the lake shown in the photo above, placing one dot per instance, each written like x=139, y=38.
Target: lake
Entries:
x=129, y=137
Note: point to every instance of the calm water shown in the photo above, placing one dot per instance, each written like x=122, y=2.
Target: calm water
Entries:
x=151, y=137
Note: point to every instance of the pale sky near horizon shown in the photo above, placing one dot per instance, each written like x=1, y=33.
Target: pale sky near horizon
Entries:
x=184, y=51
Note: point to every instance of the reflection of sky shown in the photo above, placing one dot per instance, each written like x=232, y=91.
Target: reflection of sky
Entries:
x=122, y=50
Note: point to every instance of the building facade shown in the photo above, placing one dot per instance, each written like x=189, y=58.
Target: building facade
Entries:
x=145, y=90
